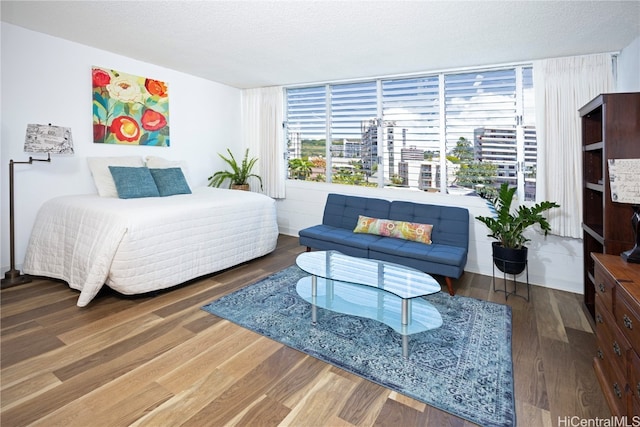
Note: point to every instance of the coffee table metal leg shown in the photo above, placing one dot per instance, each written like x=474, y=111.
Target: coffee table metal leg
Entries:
x=404, y=319
x=314, y=299
x=405, y=311
x=405, y=346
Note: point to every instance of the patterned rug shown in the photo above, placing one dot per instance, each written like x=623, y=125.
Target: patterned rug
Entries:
x=464, y=367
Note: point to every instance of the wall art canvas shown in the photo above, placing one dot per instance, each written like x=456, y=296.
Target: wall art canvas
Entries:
x=129, y=109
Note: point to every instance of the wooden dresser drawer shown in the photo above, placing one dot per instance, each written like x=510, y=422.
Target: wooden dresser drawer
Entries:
x=627, y=317
x=603, y=318
x=605, y=285
x=612, y=354
x=611, y=342
x=612, y=385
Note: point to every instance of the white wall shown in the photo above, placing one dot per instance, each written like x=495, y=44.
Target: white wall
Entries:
x=629, y=68
x=48, y=80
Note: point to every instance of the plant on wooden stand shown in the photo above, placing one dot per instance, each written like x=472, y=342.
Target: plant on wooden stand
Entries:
x=238, y=175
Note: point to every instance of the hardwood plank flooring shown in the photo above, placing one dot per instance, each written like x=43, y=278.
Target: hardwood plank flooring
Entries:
x=159, y=360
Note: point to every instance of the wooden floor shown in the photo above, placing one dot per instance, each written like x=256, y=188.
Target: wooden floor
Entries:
x=162, y=361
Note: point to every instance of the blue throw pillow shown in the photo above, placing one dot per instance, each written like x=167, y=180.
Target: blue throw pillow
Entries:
x=133, y=183
x=170, y=181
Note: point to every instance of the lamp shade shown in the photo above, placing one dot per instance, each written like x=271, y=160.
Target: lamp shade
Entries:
x=48, y=139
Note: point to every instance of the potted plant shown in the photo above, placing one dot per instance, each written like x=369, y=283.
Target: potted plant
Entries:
x=507, y=227
x=238, y=175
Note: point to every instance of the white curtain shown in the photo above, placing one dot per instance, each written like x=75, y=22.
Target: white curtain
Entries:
x=562, y=86
x=262, y=117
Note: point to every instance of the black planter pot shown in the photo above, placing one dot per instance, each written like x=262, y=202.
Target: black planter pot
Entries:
x=509, y=260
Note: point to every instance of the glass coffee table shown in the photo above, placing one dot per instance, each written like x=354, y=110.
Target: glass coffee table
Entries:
x=378, y=290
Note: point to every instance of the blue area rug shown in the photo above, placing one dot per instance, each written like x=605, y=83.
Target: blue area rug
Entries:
x=464, y=367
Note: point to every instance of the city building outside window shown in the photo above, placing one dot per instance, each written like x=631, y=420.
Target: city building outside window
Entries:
x=459, y=133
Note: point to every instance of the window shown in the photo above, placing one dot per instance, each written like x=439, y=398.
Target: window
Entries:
x=456, y=132
x=306, y=117
x=353, y=154
x=410, y=108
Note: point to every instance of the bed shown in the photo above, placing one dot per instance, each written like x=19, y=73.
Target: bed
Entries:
x=140, y=245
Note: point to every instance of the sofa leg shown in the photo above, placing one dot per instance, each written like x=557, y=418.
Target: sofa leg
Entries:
x=308, y=249
x=450, y=285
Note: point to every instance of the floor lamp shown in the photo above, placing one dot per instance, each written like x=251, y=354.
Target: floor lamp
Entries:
x=39, y=139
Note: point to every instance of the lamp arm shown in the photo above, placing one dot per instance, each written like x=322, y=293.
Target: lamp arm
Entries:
x=31, y=160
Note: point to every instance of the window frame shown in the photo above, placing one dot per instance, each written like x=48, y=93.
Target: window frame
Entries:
x=523, y=150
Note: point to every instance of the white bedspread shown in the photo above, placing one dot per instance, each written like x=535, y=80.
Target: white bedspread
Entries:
x=140, y=245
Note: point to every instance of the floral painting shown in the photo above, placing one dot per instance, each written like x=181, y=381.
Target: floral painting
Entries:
x=128, y=109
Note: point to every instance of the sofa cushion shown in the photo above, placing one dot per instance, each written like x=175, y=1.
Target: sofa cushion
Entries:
x=339, y=235
x=343, y=211
x=396, y=229
x=441, y=254
x=450, y=224
x=369, y=225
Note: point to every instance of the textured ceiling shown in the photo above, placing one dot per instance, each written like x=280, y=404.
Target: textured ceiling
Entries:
x=263, y=43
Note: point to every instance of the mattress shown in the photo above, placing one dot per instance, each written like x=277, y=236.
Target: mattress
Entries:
x=140, y=245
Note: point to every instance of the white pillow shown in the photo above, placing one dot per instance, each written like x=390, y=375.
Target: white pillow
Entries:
x=102, y=178
x=155, y=162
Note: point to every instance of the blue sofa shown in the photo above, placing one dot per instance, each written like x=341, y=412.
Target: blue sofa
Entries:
x=446, y=255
